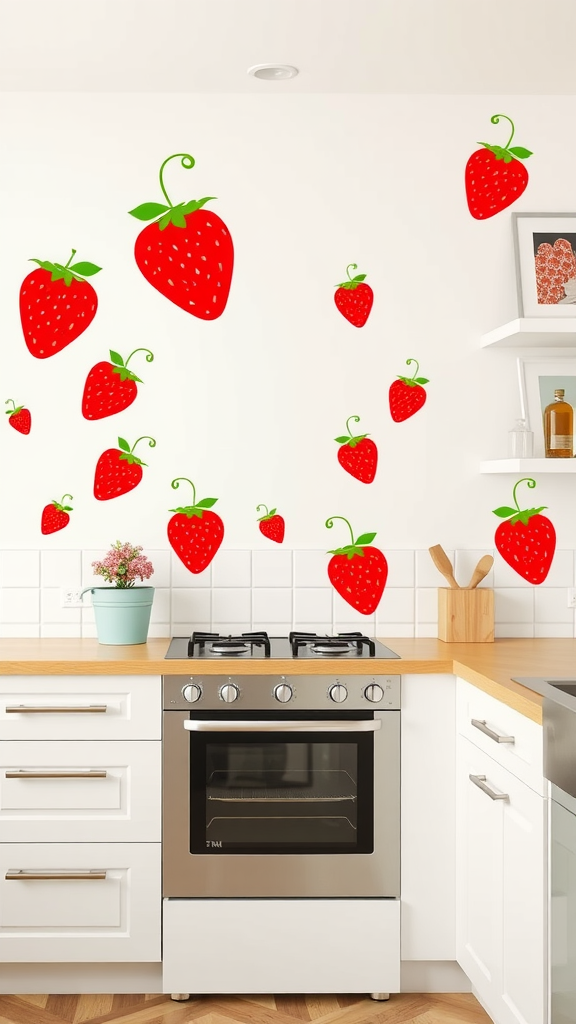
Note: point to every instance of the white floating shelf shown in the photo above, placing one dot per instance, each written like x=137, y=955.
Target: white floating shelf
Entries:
x=533, y=332
x=529, y=466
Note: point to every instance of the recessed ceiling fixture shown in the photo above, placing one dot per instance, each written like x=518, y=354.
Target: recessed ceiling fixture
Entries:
x=273, y=72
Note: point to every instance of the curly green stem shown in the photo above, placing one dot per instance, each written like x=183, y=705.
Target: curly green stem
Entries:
x=63, y=498
x=495, y=119
x=72, y=255
x=354, y=266
x=265, y=507
x=330, y=523
x=187, y=161
x=356, y=420
x=176, y=485
x=408, y=361
x=145, y=437
x=13, y=403
x=149, y=357
x=531, y=483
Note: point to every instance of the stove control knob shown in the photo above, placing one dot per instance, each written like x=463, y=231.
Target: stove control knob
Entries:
x=374, y=693
x=283, y=692
x=192, y=692
x=229, y=693
x=338, y=693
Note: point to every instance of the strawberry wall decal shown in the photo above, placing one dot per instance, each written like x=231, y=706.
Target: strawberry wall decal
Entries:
x=118, y=470
x=358, y=455
x=494, y=176
x=526, y=540
x=406, y=395
x=57, y=304
x=358, y=572
x=271, y=525
x=55, y=515
x=110, y=386
x=353, y=298
x=187, y=252
x=19, y=417
x=194, y=532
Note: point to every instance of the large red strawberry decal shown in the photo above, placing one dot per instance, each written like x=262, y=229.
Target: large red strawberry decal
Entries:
x=494, y=177
x=118, y=470
x=110, y=386
x=55, y=515
x=406, y=395
x=57, y=304
x=526, y=540
x=271, y=525
x=187, y=252
x=357, y=571
x=354, y=298
x=194, y=532
x=19, y=417
x=357, y=455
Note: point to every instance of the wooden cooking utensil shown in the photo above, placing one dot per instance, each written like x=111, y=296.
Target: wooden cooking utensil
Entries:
x=482, y=569
x=444, y=565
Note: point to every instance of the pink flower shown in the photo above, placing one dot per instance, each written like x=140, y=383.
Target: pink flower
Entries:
x=123, y=565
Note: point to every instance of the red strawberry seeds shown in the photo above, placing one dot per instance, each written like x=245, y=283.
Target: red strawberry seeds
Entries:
x=354, y=298
x=118, y=470
x=187, y=253
x=194, y=532
x=271, y=525
x=527, y=540
x=494, y=178
x=357, y=455
x=110, y=386
x=18, y=417
x=406, y=395
x=357, y=571
x=55, y=515
x=56, y=305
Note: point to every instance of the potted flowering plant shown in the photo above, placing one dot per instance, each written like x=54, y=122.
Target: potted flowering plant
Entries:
x=122, y=611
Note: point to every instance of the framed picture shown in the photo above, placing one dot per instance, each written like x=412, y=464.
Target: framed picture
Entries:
x=538, y=378
x=545, y=250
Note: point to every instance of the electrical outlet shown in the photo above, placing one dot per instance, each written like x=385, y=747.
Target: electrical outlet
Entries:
x=70, y=597
x=572, y=597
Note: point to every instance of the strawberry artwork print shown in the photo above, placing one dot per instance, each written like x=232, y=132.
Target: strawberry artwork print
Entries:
x=195, y=533
x=354, y=298
x=407, y=395
x=57, y=304
x=357, y=455
x=526, y=540
x=19, y=417
x=118, y=470
x=110, y=387
x=187, y=252
x=494, y=176
x=271, y=525
x=357, y=571
x=55, y=515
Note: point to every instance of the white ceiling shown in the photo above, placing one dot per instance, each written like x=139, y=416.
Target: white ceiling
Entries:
x=355, y=46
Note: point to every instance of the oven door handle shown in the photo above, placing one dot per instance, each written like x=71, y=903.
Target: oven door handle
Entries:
x=367, y=725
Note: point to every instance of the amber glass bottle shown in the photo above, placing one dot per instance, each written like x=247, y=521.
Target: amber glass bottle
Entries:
x=559, y=428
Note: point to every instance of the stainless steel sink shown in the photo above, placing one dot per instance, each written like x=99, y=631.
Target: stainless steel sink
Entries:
x=559, y=722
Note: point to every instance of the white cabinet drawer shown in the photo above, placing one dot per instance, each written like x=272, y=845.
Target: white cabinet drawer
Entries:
x=111, y=915
x=483, y=720
x=80, y=792
x=80, y=708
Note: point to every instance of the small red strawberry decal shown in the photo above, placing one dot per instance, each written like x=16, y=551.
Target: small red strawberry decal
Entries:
x=494, y=178
x=110, y=386
x=194, y=532
x=357, y=455
x=118, y=470
x=271, y=525
x=354, y=298
x=18, y=417
x=357, y=571
x=57, y=304
x=55, y=515
x=406, y=395
x=527, y=540
x=187, y=253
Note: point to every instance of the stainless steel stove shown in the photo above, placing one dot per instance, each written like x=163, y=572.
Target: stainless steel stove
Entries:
x=258, y=645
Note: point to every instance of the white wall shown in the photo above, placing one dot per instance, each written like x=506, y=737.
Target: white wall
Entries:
x=248, y=405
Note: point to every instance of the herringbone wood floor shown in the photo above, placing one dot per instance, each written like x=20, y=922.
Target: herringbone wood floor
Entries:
x=155, y=1009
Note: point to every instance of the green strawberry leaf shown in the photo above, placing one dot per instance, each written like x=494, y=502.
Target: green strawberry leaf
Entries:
x=342, y=440
x=520, y=152
x=359, y=278
x=272, y=512
x=524, y=516
x=123, y=444
x=116, y=358
x=66, y=508
x=507, y=157
x=504, y=511
x=85, y=269
x=197, y=204
x=206, y=503
x=148, y=211
x=189, y=510
x=125, y=374
x=365, y=538
x=350, y=550
x=131, y=459
x=164, y=221
x=410, y=381
x=178, y=219
x=421, y=380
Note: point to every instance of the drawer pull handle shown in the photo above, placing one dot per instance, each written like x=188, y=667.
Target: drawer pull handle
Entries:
x=23, y=709
x=480, y=781
x=49, y=876
x=23, y=773
x=480, y=723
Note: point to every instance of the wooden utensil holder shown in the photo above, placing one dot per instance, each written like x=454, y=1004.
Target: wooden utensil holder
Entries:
x=466, y=616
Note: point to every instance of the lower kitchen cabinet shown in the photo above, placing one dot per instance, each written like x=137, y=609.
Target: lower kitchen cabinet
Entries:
x=501, y=887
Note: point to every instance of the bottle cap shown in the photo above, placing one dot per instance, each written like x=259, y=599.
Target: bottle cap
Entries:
x=559, y=393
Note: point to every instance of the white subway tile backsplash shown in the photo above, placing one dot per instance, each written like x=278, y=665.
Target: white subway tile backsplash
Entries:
x=161, y=606
x=271, y=605
x=191, y=606
x=72, y=631
x=231, y=604
x=426, y=629
x=161, y=629
x=61, y=568
x=550, y=605
x=396, y=605
x=182, y=577
x=51, y=610
x=466, y=562
x=19, y=568
x=312, y=604
x=19, y=604
x=272, y=568
x=561, y=573
x=183, y=628
x=506, y=576
x=161, y=577
x=368, y=626
x=554, y=629
x=427, y=574
x=231, y=628
x=392, y=629
x=511, y=605
x=515, y=629
x=232, y=569
x=310, y=568
x=426, y=605
x=400, y=568
x=19, y=630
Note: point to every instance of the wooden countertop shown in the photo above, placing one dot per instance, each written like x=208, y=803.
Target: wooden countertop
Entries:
x=488, y=666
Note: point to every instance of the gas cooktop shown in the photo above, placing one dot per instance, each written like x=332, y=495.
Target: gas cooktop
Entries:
x=257, y=646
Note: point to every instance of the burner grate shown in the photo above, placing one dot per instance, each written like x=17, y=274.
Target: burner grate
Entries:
x=351, y=644
x=230, y=645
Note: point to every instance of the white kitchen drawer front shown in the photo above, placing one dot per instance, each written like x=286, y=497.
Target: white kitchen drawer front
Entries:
x=513, y=740
x=80, y=707
x=110, y=910
x=80, y=792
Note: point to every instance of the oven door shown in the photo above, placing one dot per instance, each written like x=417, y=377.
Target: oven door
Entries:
x=298, y=805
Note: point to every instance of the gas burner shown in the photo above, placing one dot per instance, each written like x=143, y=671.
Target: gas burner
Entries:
x=231, y=646
x=330, y=650
x=344, y=644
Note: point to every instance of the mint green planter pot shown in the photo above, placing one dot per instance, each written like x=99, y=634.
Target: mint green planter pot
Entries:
x=122, y=615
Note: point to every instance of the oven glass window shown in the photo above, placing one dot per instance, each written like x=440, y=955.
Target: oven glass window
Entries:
x=301, y=793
